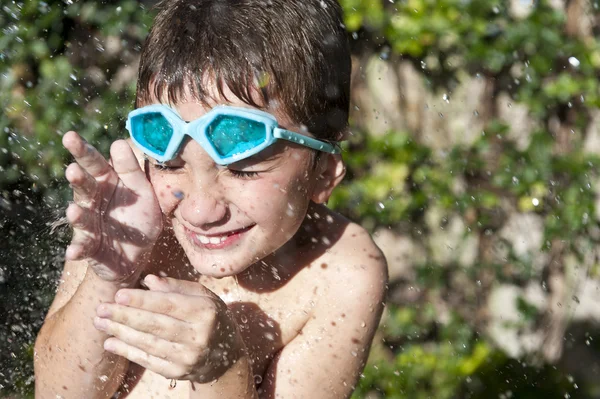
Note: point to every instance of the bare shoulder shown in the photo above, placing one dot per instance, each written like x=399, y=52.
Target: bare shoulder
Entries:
x=351, y=281
x=356, y=266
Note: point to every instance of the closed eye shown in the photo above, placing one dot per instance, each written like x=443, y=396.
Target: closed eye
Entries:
x=243, y=174
x=165, y=166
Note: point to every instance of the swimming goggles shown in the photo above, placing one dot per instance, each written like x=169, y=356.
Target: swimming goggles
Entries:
x=228, y=134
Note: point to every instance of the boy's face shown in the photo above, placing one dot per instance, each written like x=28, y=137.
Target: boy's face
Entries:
x=228, y=217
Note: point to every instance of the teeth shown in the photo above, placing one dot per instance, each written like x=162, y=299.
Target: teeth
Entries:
x=211, y=240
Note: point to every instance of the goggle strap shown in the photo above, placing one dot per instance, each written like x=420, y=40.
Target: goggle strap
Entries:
x=305, y=141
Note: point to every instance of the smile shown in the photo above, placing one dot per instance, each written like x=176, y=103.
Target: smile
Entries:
x=217, y=241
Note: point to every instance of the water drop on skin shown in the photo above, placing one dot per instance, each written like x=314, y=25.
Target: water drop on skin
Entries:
x=270, y=336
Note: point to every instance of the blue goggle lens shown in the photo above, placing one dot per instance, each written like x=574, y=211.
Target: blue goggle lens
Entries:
x=153, y=131
x=233, y=135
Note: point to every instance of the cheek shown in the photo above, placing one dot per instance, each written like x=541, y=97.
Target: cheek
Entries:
x=280, y=200
x=168, y=190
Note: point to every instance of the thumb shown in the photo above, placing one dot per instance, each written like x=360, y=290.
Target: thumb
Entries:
x=168, y=284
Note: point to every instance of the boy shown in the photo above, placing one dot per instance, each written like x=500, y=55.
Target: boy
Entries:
x=204, y=262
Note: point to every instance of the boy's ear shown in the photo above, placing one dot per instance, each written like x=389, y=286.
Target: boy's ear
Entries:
x=330, y=172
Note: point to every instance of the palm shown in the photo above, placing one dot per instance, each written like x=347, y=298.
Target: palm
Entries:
x=128, y=227
x=116, y=215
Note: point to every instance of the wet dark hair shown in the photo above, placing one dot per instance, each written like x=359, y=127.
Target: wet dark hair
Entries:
x=294, y=52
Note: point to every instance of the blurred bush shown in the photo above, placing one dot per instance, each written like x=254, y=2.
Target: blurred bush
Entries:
x=72, y=65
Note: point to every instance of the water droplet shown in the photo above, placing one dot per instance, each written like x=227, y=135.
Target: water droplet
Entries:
x=385, y=53
x=535, y=201
x=574, y=61
x=257, y=379
x=244, y=319
x=269, y=336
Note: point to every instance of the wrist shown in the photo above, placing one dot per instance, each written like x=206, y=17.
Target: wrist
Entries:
x=237, y=382
x=224, y=353
x=130, y=280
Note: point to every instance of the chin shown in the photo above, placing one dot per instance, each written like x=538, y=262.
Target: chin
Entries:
x=213, y=264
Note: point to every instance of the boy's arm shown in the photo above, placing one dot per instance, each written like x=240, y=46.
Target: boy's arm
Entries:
x=70, y=361
x=236, y=383
x=116, y=220
x=326, y=359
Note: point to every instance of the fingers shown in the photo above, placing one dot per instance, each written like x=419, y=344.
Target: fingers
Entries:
x=168, y=284
x=84, y=241
x=159, y=325
x=86, y=155
x=179, y=306
x=149, y=343
x=160, y=366
x=127, y=166
x=84, y=185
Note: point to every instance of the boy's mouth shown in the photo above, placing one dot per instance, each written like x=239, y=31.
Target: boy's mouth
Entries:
x=217, y=240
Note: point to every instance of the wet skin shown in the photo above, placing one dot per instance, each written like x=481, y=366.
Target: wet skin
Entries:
x=263, y=287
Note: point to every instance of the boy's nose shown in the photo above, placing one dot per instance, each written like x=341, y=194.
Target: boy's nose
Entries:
x=200, y=209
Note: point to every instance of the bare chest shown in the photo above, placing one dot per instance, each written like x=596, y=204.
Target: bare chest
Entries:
x=267, y=321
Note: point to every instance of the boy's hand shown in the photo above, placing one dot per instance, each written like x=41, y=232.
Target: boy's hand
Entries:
x=179, y=329
x=115, y=214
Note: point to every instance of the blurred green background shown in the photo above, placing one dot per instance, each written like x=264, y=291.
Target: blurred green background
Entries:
x=473, y=160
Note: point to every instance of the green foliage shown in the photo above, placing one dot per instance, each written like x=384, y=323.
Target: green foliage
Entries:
x=433, y=360
x=482, y=37
x=393, y=179
x=67, y=65
x=62, y=67
x=554, y=74
x=47, y=88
